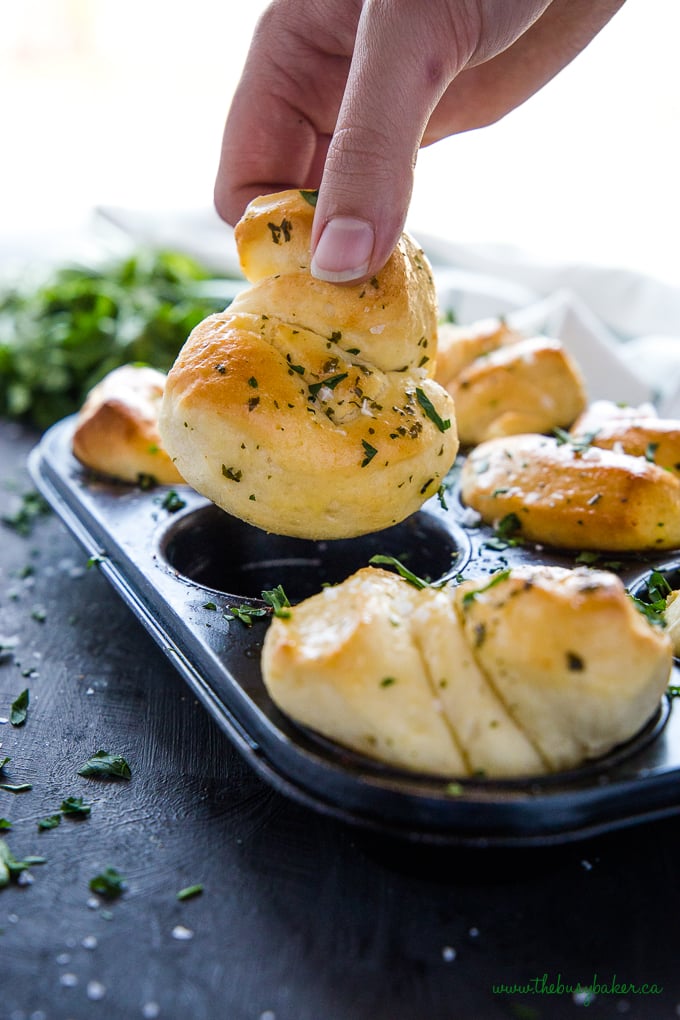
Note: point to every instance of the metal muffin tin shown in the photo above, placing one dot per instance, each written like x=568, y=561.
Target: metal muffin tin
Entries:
x=181, y=570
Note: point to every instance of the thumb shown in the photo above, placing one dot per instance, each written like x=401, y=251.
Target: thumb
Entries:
x=403, y=62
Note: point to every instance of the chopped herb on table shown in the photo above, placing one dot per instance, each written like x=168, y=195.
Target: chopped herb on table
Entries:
x=50, y=822
x=74, y=807
x=19, y=709
x=33, y=506
x=10, y=867
x=103, y=765
x=109, y=883
x=190, y=891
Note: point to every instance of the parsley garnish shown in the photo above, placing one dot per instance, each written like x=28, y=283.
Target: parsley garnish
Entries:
x=278, y=600
x=32, y=508
x=10, y=867
x=109, y=883
x=246, y=614
x=5, y=825
x=496, y=578
x=51, y=822
x=579, y=443
x=650, y=452
x=653, y=604
x=408, y=575
x=331, y=383
x=231, y=474
x=172, y=502
x=310, y=196
x=282, y=230
x=370, y=452
x=105, y=765
x=429, y=409
x=75, y=807
x=190, y=891
x=19, y=709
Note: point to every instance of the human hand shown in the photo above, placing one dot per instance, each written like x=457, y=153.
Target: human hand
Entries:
x=340, y=96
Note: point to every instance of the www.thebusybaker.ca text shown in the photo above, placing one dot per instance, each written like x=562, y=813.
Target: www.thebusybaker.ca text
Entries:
x=546, y=985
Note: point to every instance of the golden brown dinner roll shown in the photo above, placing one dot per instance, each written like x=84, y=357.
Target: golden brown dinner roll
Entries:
x=469, y=680
x=306, y=408
x=672, y=619
x=503, y=383
x=116, y=431
x=572, y=495
x=634, y=430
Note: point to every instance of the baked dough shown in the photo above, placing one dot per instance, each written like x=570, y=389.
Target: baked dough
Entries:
x=116, y=432
x=572, y=495
x=634, y=430
x=503, y=383
x=672, y=619
x=306, y=408
x=527, y=672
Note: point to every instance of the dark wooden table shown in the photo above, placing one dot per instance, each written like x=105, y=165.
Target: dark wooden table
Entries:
x=301, y=917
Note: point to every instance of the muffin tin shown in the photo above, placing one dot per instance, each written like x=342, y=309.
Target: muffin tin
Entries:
x=182, y=566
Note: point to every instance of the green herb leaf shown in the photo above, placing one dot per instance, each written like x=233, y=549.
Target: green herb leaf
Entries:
x=190, y=891
x=10, y=867
x=75, y=807
x=579, y=443
x=3, y=762
x=50, y=822
x=5, y=825
x=246, y=614
x=501, y=575
x=16, y=787
x=408, y=575
x=103, y=765
x=33, y=506
x=231, y=474
x=370, y=452
x=278, y=600
x=19, y=709
x=331, y=383
x=428, y=407
x=310, y=196
x=109, y=883
x=172, y=502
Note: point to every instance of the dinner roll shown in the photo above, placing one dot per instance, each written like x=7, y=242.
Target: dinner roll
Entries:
x=634, y=430
x=672, y=620
x=306, y=408
x=569, y=494
x=503, y=383
x=116, y=430
x=524, y=673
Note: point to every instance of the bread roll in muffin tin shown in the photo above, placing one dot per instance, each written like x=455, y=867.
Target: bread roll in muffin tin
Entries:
x=183, y=566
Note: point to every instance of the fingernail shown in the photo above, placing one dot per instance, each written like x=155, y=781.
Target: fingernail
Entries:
x=344, y=250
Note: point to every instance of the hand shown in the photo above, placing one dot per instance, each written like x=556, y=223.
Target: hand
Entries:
x=341, y=95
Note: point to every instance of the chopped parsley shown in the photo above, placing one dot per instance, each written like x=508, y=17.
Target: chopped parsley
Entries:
x=278, y=600
x=653, y=603
x=501, y=575
x=428, y=407
x=246, y=614
x=387, y=681
x=369, y=451
x=103, y=765
x=10, y=867
x=109, y=883
x=310, y=196
x=75, y=807
x=190, y=891
x=50, y=822
x=408, y=575
x=331, y=383
x=172, y=502
x=578, y=443
x=32, y=508
x=281, y=231
x=650, y=452
x=232, y=474
x=19, y=709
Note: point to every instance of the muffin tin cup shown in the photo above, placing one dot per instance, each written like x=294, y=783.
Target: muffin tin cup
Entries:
x=194, y=577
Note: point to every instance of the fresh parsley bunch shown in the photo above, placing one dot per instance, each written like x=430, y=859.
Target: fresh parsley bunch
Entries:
x=59, y=338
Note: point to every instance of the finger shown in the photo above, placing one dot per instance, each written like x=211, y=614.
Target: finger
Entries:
x=285, y=107
x=482, y=94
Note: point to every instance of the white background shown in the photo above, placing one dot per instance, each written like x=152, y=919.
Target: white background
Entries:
x=123, y=101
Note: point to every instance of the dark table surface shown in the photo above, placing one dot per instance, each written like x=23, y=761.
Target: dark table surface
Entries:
x=301, y=916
